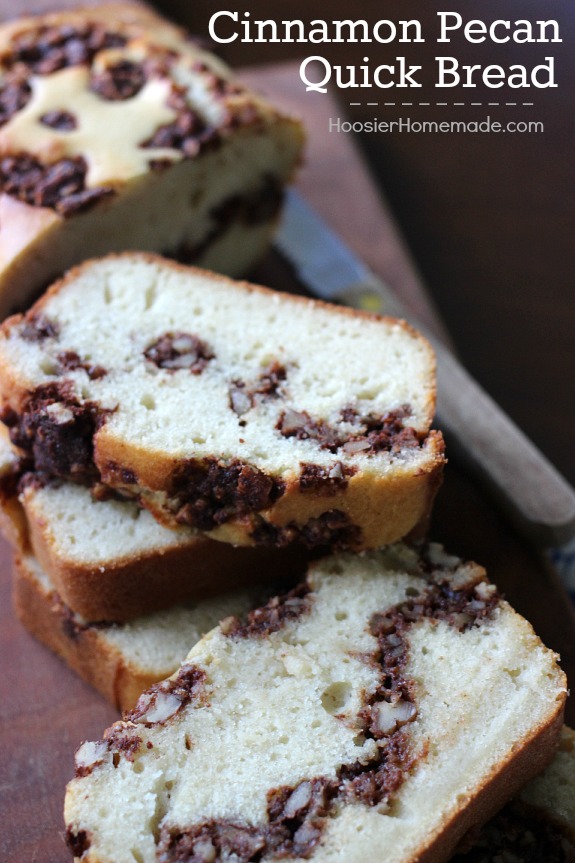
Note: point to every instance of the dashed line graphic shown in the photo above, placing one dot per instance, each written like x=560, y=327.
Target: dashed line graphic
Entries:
x=442, y=104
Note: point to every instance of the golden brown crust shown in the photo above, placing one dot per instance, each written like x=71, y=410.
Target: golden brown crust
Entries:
x=406, y=500
x=13, y=524
x=25, y=223
x=153, y=258
x=138, y=584
x=526, y=761
x=528, y=752
x=84, y=650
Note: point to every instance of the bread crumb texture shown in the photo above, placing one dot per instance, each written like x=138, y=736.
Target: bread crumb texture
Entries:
x=327, y=723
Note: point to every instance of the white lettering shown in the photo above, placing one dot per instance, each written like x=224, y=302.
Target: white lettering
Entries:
x=548, y=67
x=351, y=27
x=404, y=31
x=445, y=69
x=491, y=74
x=261, y=25
x=246, y=25
x=518, y=78
x=377, y=76
x=406, y=79
x=492, y=31
x=212, y=27
x=475, y=31
x=319, y=86
x=445, y=27
x=365, y=70
x=523, y=28
x=288, y=25
x=543, y=25
x=319, y=30
x=339, y=77
x=389, y=37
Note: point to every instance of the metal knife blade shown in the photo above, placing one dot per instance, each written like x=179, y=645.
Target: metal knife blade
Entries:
x=535, y=495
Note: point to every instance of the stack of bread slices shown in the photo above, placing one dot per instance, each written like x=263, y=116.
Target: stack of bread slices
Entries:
x=175, y=443
x=217, y=497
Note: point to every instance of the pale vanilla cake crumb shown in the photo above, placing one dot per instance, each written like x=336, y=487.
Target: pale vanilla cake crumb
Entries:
x=258, y=417
x=390, y=702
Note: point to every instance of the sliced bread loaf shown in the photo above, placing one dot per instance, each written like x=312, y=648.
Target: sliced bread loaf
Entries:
x=380, y=711
x=259, y=417
x=120, y=132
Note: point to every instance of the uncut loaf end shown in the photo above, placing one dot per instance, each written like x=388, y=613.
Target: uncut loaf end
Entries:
x=258, y=417
x=393, y=701
x=119, y=131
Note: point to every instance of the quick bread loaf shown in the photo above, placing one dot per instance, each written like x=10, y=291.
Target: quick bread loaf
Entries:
x=118, y=131
x=393, y=701
x=257, y=417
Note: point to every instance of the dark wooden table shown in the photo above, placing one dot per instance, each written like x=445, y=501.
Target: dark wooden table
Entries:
x=490, y=295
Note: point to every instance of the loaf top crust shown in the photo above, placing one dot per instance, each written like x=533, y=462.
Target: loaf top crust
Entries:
x=93, y=98
x=182, y=363
x=390, y=702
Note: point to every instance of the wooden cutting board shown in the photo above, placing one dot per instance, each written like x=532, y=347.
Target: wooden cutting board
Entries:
x=46, y=711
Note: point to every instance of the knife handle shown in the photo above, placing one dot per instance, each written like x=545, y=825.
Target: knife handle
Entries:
x=534, y=494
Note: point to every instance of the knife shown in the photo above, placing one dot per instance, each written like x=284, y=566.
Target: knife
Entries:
x=536, y=497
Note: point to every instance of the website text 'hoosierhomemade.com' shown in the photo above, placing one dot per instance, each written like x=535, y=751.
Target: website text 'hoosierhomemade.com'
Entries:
x=415, y=127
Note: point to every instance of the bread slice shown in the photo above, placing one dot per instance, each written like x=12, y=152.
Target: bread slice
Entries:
x=259, y=417
x=118, y=659
x=380, y=711
x=110, y=560
x=119, y=132
x=539, y=824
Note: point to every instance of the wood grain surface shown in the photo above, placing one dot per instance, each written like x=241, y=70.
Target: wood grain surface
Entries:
x=45, y=711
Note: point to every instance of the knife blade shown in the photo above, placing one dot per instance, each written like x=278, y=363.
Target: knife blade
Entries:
x=540, y=502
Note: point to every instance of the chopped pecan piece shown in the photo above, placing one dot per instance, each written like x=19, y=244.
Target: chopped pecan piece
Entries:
x=174, y=351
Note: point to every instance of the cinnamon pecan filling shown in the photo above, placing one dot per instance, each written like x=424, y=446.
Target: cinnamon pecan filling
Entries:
x=44, y=50
x=60, y=185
